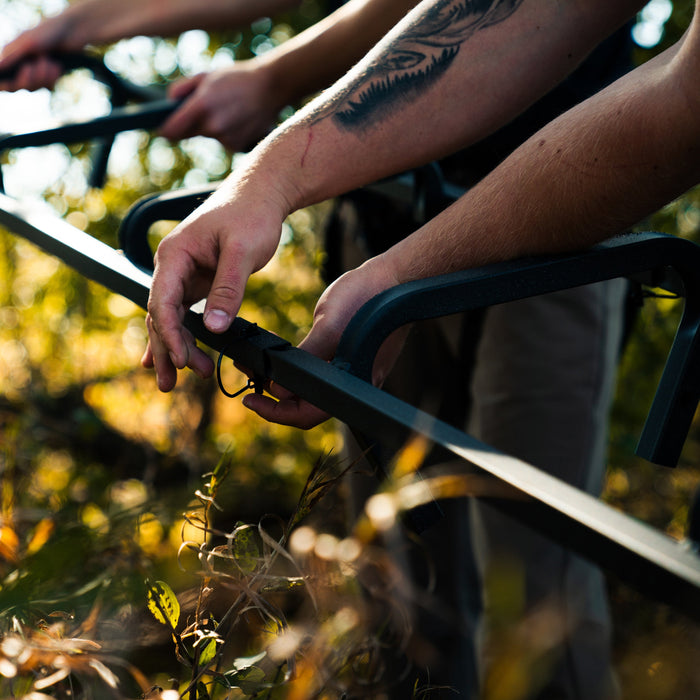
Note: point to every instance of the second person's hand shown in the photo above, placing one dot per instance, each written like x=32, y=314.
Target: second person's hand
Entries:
x=28, y=53
x=333, y=312
x=235, y=105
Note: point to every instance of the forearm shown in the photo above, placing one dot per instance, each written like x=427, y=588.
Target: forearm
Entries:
x=318, y=56
x=439, y=81
x=104, y=21
x=590, y=174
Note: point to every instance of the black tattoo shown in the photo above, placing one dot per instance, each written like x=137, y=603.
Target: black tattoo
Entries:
x=414, y=60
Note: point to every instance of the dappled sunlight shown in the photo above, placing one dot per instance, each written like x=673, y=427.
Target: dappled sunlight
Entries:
x=170, y=545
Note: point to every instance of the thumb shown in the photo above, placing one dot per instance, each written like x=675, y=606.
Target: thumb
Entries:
x=225, y=297
x=183, y=122
x=321, y=341
x=185, y=86
x=48, y=35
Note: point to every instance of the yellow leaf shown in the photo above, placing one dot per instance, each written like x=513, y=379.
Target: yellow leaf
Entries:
x=163, y=603
x=41, y=535
x=411, y=456
x=9, y=544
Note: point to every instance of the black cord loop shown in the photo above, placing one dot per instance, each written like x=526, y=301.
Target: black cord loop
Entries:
x=250, y=384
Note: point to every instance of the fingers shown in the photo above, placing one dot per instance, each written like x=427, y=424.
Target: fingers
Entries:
x=332, y=314
x=185, y=86
x=184, y=121
x=18, y=49
x=31, y=46
x=176, y=284
x=231, y=105
x=165, y=330
x=158, y=357
x=183, y=274
x=209, y=255
x=34, y=74
x=284, y=407
x=292, y=411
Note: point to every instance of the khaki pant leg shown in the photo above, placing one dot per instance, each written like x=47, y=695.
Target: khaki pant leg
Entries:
x=541, y=391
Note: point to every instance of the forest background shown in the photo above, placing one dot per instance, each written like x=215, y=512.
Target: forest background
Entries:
x=99, y=469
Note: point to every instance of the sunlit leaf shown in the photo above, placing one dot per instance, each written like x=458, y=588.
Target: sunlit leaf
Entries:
x=208, y=652
x=54, y=678
x=42, y=533
x=243, y=662
x=163, y=603
x=104, y=673
x=9, y=544
x=221, y=471
x=412, y=456
x=252, y=680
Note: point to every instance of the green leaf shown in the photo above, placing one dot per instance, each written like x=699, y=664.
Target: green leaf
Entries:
x=243, y=662
x=163, y=603
x=245, y=549
x=245, y=675
x=282, y=583
x=208, y=652
x=250, y=680
x=221, y=471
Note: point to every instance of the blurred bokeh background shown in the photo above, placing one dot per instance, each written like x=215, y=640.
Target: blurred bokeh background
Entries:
x=97, y=467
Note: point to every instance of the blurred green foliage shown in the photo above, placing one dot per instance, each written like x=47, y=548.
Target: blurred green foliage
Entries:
x=97, y=466
x=88, y=446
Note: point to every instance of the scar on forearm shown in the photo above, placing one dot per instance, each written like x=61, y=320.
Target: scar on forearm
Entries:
x=413, y=61
x=309, y=138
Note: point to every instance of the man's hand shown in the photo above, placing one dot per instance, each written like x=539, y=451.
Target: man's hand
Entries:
x=30, y=49
x=333, y=312
x=235, y=105
x=210, y=254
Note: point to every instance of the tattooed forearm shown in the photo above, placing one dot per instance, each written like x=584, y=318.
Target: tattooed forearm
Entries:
x=414, y=60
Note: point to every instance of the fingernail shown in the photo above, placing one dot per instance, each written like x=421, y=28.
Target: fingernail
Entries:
x=216, y=320
x=174, y=360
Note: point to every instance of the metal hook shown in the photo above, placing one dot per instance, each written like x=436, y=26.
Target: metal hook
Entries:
x=250, y=384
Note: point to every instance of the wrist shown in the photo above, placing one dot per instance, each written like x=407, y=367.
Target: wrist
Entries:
x=248, y=195
x=272, y=89
x=280, y=77
x=276, y=166
x=396, y=264
x=383, y=271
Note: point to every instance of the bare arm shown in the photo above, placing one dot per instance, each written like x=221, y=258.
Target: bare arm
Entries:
x=101, y=22
x=449, y=74
x=588, y=175
x=317, y=57
x=445, y=76
x=239, y=104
